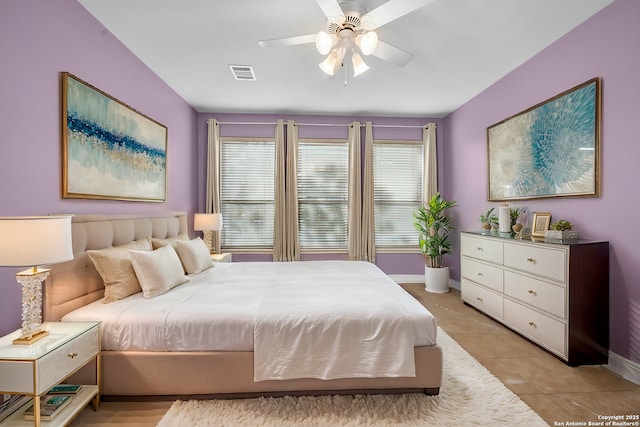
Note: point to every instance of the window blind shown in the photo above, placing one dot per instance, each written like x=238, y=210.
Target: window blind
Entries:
x=247, y=193
x=398, y=172
x=323, y=178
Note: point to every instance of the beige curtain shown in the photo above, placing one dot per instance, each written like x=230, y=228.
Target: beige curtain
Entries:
x=368, y=235
x=279, y=214
x=286, y=246
x=430, y=178
x=213, y=176
x=354, y=217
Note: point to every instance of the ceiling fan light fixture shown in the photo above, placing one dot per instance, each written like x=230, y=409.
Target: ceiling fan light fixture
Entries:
x=367, y=42
x=324, y=42
x=329, y=64
x=359, y=66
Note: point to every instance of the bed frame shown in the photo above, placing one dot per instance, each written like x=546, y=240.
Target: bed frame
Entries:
x=76, y=283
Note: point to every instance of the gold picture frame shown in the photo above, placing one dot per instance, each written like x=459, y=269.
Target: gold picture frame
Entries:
x=541, y=222
x=109, y=150
x=549, y=150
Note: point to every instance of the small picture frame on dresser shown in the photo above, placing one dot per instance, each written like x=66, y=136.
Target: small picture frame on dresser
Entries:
x=541, y=222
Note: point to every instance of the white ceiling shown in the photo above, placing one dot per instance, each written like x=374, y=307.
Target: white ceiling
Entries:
x=461, y=47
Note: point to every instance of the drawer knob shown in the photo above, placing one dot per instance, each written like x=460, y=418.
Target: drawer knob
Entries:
x=533, y=325
x=480, y=274
x=532, y=292
x=480, y=249
x=479, y=299
x=72, y=355
x=531, y=260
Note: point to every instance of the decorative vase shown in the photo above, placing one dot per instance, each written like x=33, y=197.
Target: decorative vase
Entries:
x=436, y=280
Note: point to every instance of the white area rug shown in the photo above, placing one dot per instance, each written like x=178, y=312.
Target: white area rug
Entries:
x=470, y=396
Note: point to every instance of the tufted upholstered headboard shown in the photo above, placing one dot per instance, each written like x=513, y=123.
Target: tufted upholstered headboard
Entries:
x=76, y=283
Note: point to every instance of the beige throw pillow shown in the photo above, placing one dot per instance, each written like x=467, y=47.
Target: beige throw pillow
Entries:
x=194, y=255
x=158, y=243
x=158, y=271
x=114, y=266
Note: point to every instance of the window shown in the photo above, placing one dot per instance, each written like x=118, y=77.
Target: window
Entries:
x=323, y=182
x=397, y=172
x=247, y=192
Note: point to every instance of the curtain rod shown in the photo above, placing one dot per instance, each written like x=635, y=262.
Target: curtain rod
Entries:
x=322, y=124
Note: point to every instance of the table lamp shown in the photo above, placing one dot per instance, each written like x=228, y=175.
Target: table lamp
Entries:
x=207, y=223
x=29, y=241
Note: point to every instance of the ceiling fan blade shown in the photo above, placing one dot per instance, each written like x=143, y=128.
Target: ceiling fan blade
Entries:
x=392, y=54
x=332, y=10
x=389, y=11
x=288, y=41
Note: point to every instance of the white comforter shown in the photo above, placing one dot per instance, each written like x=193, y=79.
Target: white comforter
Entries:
x=312, y=319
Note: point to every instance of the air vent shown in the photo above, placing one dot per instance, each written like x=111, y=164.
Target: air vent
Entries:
x=242, y=72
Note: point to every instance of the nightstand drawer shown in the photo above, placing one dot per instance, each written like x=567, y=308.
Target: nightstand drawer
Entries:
x=543, y=295
x=482, y=299
x=66, y=359
x=484, y=274
x=484, y=249
x=541, y=261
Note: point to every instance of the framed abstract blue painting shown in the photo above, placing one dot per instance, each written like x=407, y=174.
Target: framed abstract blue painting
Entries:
x=549, y=150
x=109, y=150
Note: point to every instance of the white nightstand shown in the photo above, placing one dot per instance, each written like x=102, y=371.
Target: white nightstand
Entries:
x=32, y=370
x=223, y=257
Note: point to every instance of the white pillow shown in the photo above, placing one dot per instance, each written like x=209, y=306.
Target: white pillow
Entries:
x=194, y=255
x=158, y=271
x=114, y=266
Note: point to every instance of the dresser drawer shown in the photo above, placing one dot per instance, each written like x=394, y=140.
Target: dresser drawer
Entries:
x=483, y=299
x=481, y=248
x=537, y=326
x=482, y=273
x=542, y=261
x=66, y=359
x=543, y=295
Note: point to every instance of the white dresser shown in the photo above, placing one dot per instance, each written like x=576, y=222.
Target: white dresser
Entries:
x=556, y=295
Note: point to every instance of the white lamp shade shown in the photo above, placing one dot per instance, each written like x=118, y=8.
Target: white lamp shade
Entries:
x=329, y=64
x=367, y=42
x=324, y=42
x=359, y=65
x=204, y=222
x=30, y=241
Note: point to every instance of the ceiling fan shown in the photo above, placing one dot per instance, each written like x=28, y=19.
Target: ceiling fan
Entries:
x=351, y=29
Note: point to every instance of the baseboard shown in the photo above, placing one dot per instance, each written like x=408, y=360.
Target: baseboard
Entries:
x=626, y=368
x=419, y=278
x=407, y=278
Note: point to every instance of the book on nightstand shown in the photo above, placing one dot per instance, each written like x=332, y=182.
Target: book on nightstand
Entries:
x=50, y=406
x=65, y=389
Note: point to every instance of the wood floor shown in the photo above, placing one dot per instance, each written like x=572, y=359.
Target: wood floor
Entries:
x=558, y=393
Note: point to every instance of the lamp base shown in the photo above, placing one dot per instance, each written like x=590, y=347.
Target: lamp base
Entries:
x=28, y=340
x=31, y=281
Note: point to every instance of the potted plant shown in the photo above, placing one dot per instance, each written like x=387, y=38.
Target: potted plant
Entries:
x=560, y=232
x=434, y=228
x=487, y=218
x=514, y=214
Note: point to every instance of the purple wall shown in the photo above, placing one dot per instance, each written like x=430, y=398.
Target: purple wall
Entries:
x=38, y=40
x=389, y=263
x=604, y=46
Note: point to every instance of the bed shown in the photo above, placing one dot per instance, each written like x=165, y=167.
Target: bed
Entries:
x=159, y=359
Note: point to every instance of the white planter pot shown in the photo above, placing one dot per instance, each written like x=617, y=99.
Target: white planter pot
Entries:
x=436, y=280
